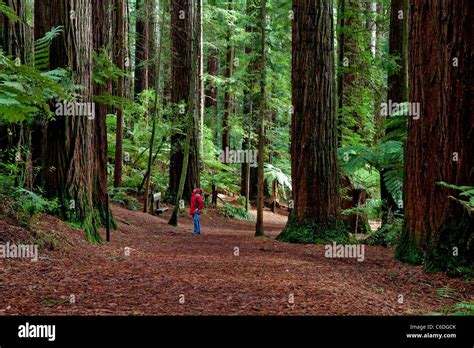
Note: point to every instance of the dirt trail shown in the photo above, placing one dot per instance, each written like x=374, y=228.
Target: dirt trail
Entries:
x=167, y=266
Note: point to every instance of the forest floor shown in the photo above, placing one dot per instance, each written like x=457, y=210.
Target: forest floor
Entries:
x=170, y=271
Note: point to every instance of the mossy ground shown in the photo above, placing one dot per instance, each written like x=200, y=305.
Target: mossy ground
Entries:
x=312, y=233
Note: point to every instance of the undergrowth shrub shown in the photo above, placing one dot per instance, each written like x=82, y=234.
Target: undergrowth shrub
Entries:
x=235, y=211
x=388, y=235
x=121, y=195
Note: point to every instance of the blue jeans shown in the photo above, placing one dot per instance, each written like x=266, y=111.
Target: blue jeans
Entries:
x=197, y=225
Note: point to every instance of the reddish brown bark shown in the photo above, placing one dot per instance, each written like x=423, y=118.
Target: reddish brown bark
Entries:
x=440, y=31
x=181, y=70
x=68, y=153
x=120, y=62
x=313, y=125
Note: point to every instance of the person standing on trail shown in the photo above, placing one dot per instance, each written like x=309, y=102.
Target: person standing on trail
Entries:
x=195, y=208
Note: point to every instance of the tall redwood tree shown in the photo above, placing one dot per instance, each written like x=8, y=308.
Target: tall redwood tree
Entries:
x=438, y=229
x=313, y=126
x=181, y=70
x=68, y=140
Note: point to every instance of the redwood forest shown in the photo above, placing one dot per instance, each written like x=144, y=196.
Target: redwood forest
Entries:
x=236, y=157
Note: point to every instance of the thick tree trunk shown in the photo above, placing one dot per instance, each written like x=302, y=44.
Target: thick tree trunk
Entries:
x=68, y=141
x=438, y=230
x=191, y=115
x=181, y=75
x=315, y=217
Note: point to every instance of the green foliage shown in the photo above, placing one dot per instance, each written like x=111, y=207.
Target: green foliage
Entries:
x=104, y=69
x=214, y=172
x=397, y=125
x=42, y=48
x=33, y=203
x=467, y=192
x=440, y=257
x=407, y=251
x=233, y=211
x=122, y=195
x=387, y=156
x=272, y=173
x=8, y=12
x=371, y=209
x=25, y=91
x=19, y=203
x=459, y=309
x=367, y=83
x=388, y=235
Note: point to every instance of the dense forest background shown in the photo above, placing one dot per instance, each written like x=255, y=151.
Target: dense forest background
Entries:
x=356, y=112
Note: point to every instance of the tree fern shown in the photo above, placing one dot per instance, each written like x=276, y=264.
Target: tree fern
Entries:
x=386, y=156
x=272, y=173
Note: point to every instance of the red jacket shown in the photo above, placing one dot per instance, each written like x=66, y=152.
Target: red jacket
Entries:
x=196, y=201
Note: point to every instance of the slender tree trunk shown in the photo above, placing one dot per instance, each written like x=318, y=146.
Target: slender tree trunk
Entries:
x=200, y=94
x=227, y=94
x=372, y=25
x=211, y=101
x=155, y=112
x=101, y=23
x=315, y=216
x=153, y=36
x=249, y=174
x=259, y=230
x=438, y=230
x=142, y=45
x=340, y=75
x=396, y=87
x=351, y=61
x=120, y=62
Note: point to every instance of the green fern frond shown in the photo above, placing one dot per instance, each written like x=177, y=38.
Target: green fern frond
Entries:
x=42, y=46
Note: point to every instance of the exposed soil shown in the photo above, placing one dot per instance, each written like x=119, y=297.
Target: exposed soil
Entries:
x=167, y=265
